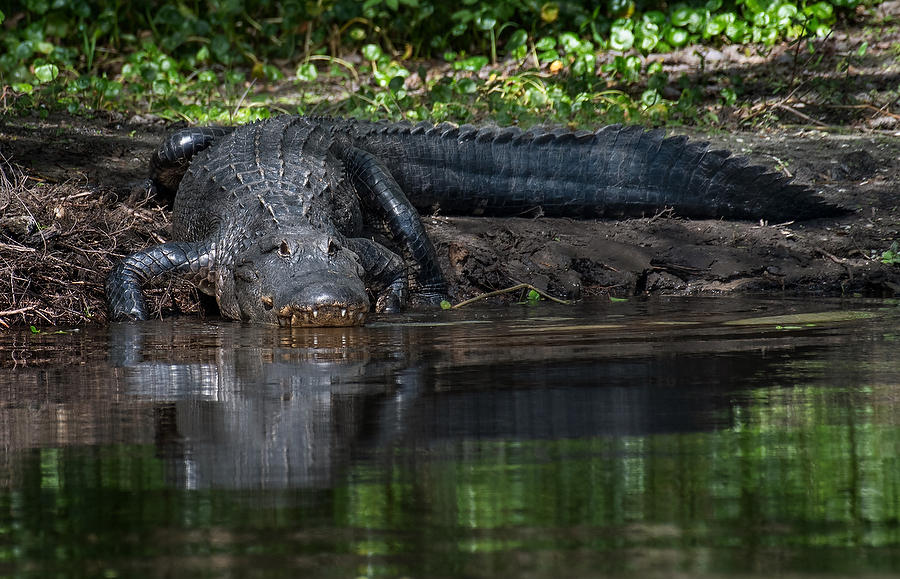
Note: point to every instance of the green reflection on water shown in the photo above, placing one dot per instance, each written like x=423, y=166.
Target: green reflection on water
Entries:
x=807, y=478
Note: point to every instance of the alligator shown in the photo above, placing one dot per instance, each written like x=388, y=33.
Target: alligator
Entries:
x=275, y=218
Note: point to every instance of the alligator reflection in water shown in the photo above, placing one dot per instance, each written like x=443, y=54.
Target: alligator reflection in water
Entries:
x=647, y=435
x=293, y=408
x=241, y=416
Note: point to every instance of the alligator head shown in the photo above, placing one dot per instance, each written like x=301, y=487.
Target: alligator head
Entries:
x=295, y=279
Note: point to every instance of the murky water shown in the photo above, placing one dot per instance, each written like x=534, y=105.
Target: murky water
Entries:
x=691, y=437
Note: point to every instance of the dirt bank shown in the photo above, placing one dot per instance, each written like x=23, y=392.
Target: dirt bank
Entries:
x=668, y=254
x=69, y=208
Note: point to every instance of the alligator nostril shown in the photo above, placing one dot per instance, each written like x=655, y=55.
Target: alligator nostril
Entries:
x=284, y=249
x=268, y=302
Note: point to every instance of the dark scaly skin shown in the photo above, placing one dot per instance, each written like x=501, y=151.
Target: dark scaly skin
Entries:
x=274, y=209
x=613, y=172
x=373, y=181
x=190, y=260
x=273, y=201
x=170, y=161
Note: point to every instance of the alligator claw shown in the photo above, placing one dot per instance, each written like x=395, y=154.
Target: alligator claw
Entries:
x=393, y=298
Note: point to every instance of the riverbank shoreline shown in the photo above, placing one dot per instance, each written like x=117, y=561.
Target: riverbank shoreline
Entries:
x=72, y=204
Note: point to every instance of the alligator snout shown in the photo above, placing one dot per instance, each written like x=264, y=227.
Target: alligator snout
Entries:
x=320, y=304
x=322, y=315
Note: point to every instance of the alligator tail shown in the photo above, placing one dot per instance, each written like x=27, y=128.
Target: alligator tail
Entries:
x=614, y=172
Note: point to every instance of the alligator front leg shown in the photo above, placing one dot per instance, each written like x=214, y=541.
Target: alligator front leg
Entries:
x=385, y=273
x=123, y=285
x=374, y=182
x=171, y=160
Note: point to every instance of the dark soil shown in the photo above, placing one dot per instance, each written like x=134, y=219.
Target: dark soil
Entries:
x=71, y=203
x=681, y=256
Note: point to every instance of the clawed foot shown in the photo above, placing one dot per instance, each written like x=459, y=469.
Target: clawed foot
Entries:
x=430, y=297
x=392, y=300
x=141, y=190
x=396, y=298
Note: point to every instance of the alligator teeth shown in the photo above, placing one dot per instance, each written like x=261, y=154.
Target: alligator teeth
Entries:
x=315, y=313
x=343, y=312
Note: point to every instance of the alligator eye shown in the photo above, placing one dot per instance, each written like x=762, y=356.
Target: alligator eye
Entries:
x=267, y=302
x=284, y=249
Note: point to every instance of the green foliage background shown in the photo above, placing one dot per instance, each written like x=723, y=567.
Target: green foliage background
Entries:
x=194, y=59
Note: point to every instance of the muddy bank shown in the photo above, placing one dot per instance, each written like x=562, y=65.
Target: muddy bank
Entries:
x=71, y=204
x=668, y=254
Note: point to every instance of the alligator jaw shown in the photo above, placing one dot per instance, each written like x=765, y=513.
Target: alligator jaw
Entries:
x=322, y=315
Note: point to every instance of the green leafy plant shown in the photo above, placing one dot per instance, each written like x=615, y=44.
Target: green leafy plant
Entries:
x=892, y=255
x=211, y=61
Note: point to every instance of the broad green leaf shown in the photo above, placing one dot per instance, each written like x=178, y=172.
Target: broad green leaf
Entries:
x=485, y=22
x=648, y=35
x=516, y=40
x=396, y=83
x=372, y=52
x=756, y=6
x=548, y=56
x=736, y=31
x=677, y=37
x=719, y=24
x=646, y=27
x=820, y=10
x=729, y=97
x=681, y=15
x=113, y=90
x=545, y=43
x=654, y=16
x=472, y=64
x=466, y=86
x=650, y=97
x=569, y=42
x=786, y=11
x=535, y=97
x=648, y=42
x=46, y=72
x=761, y=19
x=621, y=38
x=307, y=72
